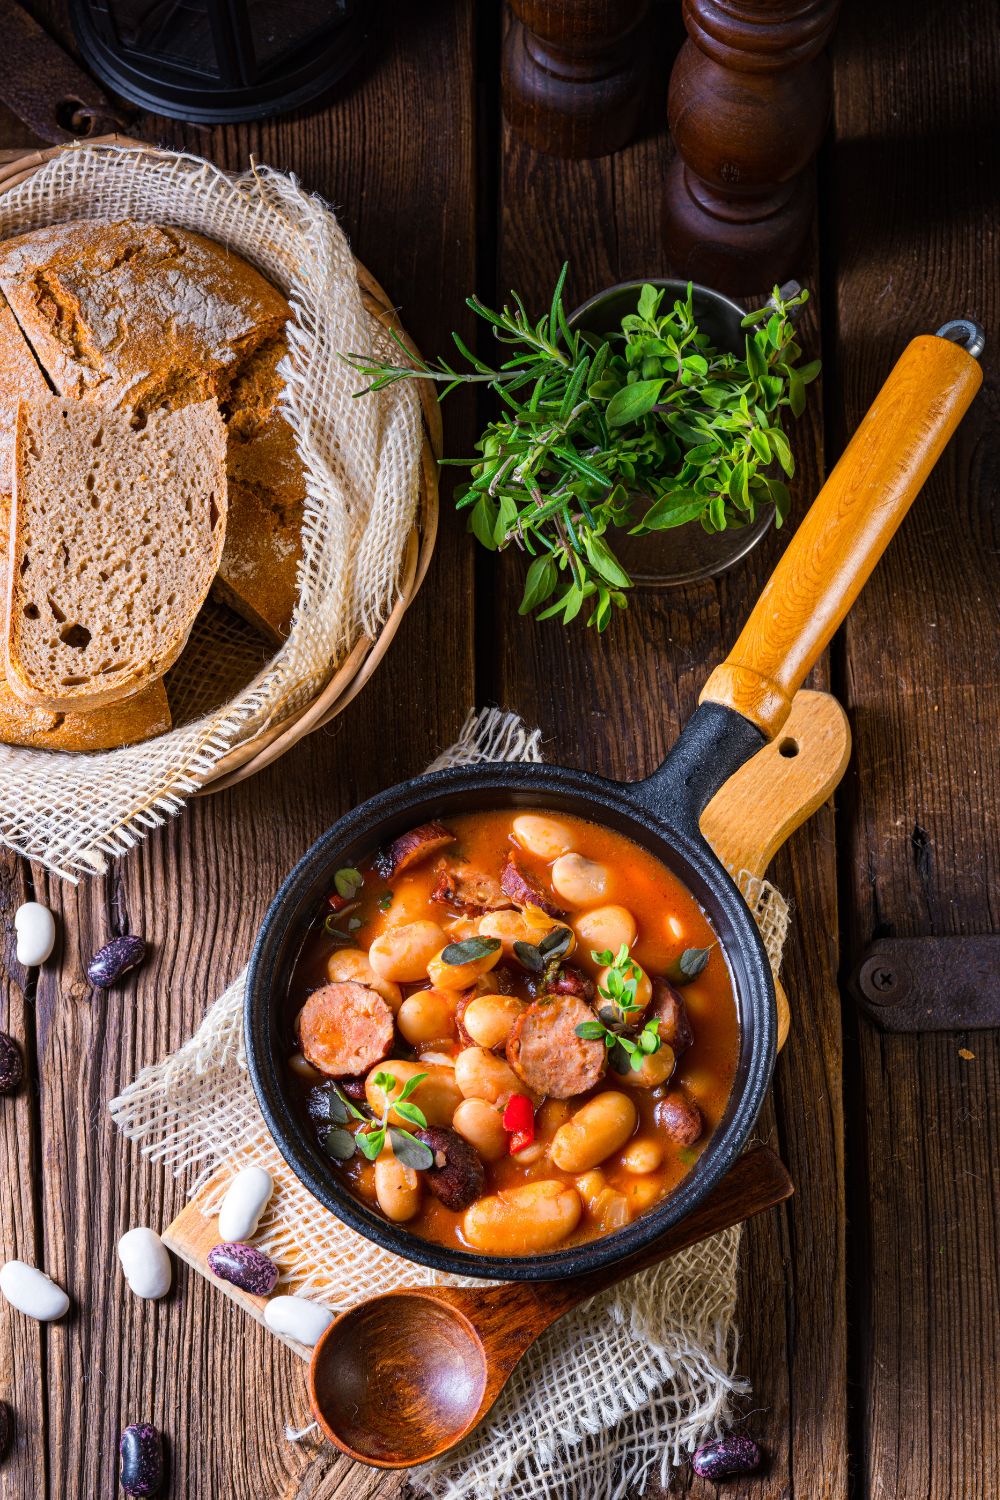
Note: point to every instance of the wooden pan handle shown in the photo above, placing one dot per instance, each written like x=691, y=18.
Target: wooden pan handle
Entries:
x=846, y=530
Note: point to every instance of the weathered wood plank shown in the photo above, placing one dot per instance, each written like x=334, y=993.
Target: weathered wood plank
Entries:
x=617, y=704
x=397, y=160
x=922, y=678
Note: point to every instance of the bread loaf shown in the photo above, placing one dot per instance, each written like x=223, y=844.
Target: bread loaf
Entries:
x=143, y=317
x=126, y=723
x=116, y=535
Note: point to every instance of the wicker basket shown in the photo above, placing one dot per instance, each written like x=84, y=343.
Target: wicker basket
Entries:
x=351, y=675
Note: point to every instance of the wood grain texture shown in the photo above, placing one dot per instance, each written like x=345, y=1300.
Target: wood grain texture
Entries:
x=914, y=221
x=194, y=1364
x=616, y=704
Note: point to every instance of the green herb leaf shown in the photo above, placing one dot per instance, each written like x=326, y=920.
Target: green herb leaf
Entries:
x=470, y=949
x=411, y=1113
x=590, y=1031
x=385, y=901
x=340, y=1144
x=408, y=1150
x=370, y=1142
x=348, y=883
x=690, y=964
x=543, y=575
x=529, y=956
x=633, y=402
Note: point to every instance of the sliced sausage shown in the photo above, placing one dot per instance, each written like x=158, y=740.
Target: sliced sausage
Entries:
x=524, y=890
x=545, y=1051
x=568, y=981
x=345, y=1029
x=467, y=889
x=669, y=1008
x=458, y=1176
x=412, y=848
x=680, y=1118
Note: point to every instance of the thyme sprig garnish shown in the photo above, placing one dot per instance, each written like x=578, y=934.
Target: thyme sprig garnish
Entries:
x=620, y=1012
x=644, y=430
x=341, y=1143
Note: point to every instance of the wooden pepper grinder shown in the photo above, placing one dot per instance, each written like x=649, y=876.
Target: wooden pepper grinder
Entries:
x=573, y=73
x=748, y=106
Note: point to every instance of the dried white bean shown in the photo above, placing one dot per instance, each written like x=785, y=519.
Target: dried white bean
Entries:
x=246, y=1199
x=36, y=933
x=146, y=1263
x=297, y=1318
x=32, y=1292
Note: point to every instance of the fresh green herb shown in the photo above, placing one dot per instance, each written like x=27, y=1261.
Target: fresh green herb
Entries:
x=644, y=430
x=619, y=1014
x=385, y=901
x=341, y=1143
x=691, y=963
x=370, y=1141
x=537, y=957
x=348, y=883
x=469, y=950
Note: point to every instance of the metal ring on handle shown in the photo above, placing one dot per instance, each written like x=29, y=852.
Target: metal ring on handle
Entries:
x=964, y=331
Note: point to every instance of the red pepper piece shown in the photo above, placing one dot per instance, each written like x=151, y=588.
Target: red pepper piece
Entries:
x=519, y=1122
x=336, y=902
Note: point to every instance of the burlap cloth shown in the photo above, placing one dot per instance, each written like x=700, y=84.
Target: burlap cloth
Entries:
x=621, y=1388
x=362, y=465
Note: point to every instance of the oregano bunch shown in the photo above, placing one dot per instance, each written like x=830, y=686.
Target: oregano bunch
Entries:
x=642, y=430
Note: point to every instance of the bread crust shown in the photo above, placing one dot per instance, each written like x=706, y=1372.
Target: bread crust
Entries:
x=127, y=723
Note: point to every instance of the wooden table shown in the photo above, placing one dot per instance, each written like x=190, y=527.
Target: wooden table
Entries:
x=870, y=1311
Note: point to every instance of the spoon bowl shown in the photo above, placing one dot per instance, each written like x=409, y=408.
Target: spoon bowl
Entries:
x=407, y=1355
x=404, y=1377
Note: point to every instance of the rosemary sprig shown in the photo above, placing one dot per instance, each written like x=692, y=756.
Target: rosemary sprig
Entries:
x=644, y=430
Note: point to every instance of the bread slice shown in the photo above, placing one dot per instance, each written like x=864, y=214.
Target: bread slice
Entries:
x=137, y=718
x=19, y=377
x=144, y=316
x=116, y=535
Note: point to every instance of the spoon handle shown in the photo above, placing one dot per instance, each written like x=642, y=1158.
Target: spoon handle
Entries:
x=757, y=1182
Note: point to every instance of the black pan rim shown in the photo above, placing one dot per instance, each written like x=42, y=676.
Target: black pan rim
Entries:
x=408, y=803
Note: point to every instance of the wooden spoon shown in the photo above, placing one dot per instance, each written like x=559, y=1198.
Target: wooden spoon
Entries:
x=403, y=1377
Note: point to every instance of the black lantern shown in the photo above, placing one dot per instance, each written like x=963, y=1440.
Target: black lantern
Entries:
x=212, y=61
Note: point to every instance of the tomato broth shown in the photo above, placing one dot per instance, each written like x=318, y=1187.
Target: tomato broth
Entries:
x=579, y=870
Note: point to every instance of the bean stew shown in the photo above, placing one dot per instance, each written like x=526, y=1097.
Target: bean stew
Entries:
x=512, y=1033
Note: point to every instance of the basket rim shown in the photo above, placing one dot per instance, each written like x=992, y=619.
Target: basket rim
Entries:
x=347, y=680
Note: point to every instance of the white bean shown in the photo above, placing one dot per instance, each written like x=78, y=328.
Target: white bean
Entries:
x=481, y=1075
x=460, y=976
x=427, y=1016
x=397, y=1188
x=481, y=1125
x=352, y=964
x=246, y=1199
x=599, y=1128
x=146, y=1263
x=36, y=933
x=545, y=837
x=577, y=880
x=489, y=1019
x=32, y=1292
x=402, y=954
x=297, y=1318
x=606, y=927
x=643, y=1155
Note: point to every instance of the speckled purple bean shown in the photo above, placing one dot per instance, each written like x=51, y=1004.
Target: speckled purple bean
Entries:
x=141, y=1451
x=6, y=1430
x=727, y=1457
x=11, y=1064
x=115, y=959
x=244, y=1267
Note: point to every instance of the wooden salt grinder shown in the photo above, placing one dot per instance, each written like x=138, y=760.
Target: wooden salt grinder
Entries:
x=748, y=107
x=573, y=74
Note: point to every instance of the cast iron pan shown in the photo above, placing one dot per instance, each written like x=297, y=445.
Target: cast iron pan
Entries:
x=742, y=707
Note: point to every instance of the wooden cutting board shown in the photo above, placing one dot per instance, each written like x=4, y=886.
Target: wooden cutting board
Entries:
x=746, y=823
